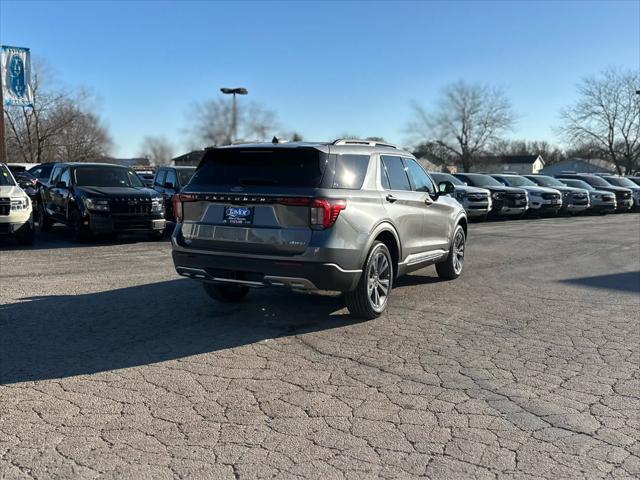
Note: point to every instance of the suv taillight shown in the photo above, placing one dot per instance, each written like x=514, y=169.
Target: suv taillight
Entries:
x=177, y=200
x=324, y=212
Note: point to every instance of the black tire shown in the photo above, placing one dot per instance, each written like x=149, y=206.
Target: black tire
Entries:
x=44, y=222
x=451, y=268
x=375, y=272
x=78, y=232
x=27, y=234
x=226, y=293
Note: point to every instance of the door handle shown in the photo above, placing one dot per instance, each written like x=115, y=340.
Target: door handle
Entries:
x=391, y=198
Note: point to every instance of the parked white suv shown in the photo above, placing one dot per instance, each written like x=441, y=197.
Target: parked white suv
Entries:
x=16, y=217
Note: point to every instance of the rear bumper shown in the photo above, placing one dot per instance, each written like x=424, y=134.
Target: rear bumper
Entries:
x=221, y=267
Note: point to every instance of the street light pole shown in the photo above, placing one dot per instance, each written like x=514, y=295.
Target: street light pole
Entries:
x=234, y=111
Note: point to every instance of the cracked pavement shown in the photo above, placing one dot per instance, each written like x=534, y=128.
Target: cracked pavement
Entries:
x=112, y=366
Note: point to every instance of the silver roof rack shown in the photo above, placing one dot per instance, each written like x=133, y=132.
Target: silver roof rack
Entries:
x=369, y=143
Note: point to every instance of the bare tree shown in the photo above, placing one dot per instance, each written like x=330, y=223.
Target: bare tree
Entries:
x=59, y=126
x=550, y=153
x=606, y=118
x=467, y=120
x=157, y=149
x=211, y=122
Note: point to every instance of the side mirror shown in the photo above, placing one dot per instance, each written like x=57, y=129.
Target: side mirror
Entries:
x=169, y=185
x=446, y=188
x=61, y=185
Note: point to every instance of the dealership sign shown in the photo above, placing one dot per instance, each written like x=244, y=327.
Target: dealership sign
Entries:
x=16, y=76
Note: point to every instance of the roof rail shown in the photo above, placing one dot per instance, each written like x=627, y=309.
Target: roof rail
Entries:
x=357, y=141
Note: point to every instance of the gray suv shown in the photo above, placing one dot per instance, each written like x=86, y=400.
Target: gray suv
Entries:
x=348, y=216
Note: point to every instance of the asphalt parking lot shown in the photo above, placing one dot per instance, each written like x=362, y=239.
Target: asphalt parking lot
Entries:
x=112, y=366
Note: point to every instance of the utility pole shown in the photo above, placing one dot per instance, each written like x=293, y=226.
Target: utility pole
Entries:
x=234, y=111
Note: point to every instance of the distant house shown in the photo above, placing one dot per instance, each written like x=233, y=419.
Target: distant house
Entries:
x=520, y=164
x=188, y=159
x=580, y=165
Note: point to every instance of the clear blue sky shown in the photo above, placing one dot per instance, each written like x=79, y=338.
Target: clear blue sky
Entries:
x=324, y=68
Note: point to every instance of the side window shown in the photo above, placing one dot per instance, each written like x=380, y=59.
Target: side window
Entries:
x=66, y=177
x=55, y=175
x=419, y=178
x=160, y=178
x=350, y=171
x=396, y=173
x=171, y=178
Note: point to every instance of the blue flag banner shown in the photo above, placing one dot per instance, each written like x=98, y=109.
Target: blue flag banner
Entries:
x=16, y=76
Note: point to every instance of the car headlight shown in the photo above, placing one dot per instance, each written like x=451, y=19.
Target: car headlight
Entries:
x=566, y=194
x=156, y=204
x=19, y=203
x=497, y=195
x=597, y=197
x=97, y=205
x=460, y=195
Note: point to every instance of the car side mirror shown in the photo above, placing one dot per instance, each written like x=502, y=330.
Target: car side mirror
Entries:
x=446, y=188
x=61, y=185
x=169, y=185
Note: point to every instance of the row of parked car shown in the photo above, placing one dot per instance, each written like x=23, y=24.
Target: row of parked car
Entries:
x=512, y=195
x=349, y=216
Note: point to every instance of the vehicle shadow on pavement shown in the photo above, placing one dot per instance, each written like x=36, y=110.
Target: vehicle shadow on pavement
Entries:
x=58, y=336
x=60, y=237
x=626, y=281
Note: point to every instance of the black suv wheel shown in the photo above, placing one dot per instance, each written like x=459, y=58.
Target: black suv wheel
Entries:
x=44, y=222
x=369, y=299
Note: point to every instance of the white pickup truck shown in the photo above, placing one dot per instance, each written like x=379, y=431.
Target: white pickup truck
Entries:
x=16, y=215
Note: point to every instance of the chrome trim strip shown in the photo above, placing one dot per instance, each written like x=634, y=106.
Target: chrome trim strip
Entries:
x=422, y=257
x=338, y=267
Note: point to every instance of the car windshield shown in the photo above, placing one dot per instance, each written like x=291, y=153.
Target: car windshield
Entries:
x=185, y=174
x=5, y=177
x=621, y=182
x=595, y=181
x=546, y=181
x=577, y=184
x=518, y=181
x=446, y=177
x=42, y=172
x=107, y=177
x=479, y=180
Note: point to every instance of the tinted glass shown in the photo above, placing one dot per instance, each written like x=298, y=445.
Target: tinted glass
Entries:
x=55, y=175
x=185, y=174
x=518, y=181
x=66, y=177
x=44, y=172
x=107, y=177
x=171, y=178
x=621, y=182
x=282, y=167
x=577, y=183
x=479, y=180
x=546, y=181
x=396, y=173
x=349, y=171
x=419, y=178
x=446, y=177
x=160, y=176
x=5, y=177
x=596, y=181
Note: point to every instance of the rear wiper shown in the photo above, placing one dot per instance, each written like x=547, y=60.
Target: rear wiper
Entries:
x=257, y=181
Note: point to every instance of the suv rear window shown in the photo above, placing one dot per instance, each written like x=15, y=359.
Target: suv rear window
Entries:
x=296, y=167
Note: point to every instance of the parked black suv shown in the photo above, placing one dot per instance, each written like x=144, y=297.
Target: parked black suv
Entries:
x=169, y=181
x=99, y=198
